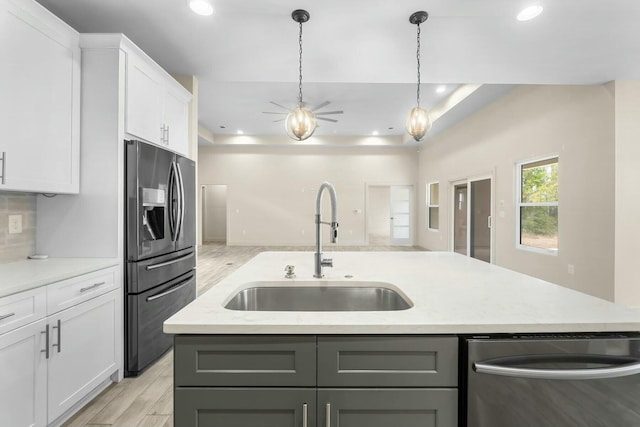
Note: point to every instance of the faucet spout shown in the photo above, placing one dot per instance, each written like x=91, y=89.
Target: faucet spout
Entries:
x=319, y=261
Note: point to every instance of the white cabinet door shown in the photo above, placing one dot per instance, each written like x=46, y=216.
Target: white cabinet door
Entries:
x=144, y=101
x=23, y=376
x=40, y=101
x=176, y=119
x=83, y=351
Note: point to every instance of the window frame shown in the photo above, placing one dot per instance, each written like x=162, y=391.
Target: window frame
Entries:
x=519, y=205
x=430, y=205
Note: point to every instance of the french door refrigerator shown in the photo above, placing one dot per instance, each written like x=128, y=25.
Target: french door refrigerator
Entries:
x=159, y=248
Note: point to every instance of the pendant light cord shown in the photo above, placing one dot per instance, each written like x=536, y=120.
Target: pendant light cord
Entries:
x=418, y=58
x=300, y=68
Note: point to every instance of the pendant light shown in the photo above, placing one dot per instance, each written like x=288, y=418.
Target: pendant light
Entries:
x=300, y=122
x=418, y=122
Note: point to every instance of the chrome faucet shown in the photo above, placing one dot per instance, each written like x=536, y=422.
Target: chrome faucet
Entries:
x=319, y=261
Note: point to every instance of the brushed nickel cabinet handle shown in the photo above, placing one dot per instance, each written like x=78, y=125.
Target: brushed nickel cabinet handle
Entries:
x=6, y=316
x=46, y=341
x=59, y=328
x=328, y=414
x=305, y=415
x=95, y=285
x=4, y=167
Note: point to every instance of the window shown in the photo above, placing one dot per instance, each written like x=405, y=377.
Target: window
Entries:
x=433, y=206
x=537, y=205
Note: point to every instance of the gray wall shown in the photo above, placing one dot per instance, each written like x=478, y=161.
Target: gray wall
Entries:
x=14, y=247
x=574, y=122
x=272, y=191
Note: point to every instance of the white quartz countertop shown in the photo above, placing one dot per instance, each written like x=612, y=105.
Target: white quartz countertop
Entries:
x=451, y=293
x=29, y=274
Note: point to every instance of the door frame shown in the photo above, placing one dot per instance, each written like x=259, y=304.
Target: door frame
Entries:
x=452, y=201
x=412, y=204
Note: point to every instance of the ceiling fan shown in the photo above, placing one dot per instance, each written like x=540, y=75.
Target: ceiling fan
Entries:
x=315, y=109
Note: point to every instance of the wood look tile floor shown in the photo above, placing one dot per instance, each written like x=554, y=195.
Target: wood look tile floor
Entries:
x=147, y=401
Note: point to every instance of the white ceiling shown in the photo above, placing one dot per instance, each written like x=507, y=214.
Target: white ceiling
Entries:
x=360, y=54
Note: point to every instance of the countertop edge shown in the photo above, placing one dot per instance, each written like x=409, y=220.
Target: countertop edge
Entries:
x=52, y=270
x=199, y=329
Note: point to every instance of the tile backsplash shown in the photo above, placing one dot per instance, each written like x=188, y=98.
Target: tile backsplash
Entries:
x=14, y=247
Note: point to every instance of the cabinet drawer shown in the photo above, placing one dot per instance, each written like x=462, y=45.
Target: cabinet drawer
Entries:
x=67, y=293
x=387, y=361
x=257, y=361
x=22, y=308
x=264, y=407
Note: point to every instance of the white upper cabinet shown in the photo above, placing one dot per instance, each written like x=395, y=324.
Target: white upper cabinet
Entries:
x=157, y=106
x=144, y=101
x=39, y=101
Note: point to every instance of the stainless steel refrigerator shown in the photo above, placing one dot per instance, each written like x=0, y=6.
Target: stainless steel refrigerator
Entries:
x=159, y=248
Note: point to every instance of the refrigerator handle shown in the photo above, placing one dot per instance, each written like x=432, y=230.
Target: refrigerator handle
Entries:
x=623, y=367
x=173, y=190
x=181, y=201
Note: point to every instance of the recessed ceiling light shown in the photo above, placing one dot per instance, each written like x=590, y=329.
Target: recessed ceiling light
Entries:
x=201, y=7
x=374, y=133
x=240, y=132
x=530, y=12
x=441, y=89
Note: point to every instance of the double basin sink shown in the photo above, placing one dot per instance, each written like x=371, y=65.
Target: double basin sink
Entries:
x=318, y=296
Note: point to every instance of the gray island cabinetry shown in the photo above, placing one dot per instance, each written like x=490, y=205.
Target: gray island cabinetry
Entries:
x=315, y=380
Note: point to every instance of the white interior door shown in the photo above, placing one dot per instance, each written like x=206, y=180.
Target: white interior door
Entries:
x=401, y=197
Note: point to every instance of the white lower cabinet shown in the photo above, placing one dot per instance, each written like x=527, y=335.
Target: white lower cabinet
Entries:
x=23, y=373
x=51, y=364
x=83, y=351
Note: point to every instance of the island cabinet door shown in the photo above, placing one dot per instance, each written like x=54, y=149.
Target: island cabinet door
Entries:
x=244, y=407
x=436, y=407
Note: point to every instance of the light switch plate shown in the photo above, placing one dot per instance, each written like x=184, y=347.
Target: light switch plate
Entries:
x=15, y=224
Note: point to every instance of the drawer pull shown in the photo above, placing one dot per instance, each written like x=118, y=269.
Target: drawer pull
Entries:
x=59, y=328
x=95, y=285
x=6, y=316
x=305, y=415
x=328, y=414
x=46, y=341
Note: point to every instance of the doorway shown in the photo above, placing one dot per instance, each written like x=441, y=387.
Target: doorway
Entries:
x=389, y=215
x=472, y=218
x=214, y=213
x=379, y=218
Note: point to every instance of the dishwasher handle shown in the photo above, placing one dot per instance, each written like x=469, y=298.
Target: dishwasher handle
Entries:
x=622, y=366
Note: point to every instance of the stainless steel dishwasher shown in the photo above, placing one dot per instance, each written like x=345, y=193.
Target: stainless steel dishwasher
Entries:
x=562, y=380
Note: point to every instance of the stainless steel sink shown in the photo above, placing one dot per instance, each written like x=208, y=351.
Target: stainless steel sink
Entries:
x=308, y=296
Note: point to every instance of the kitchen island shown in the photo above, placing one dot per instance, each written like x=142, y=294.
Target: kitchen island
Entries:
x=451, y=294
x=363, y=368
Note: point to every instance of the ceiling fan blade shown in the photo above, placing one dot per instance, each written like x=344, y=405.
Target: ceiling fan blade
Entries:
x=324, y=104
x=272, y=112
x=321, y=113
x=278, y=105
x=326, y=119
